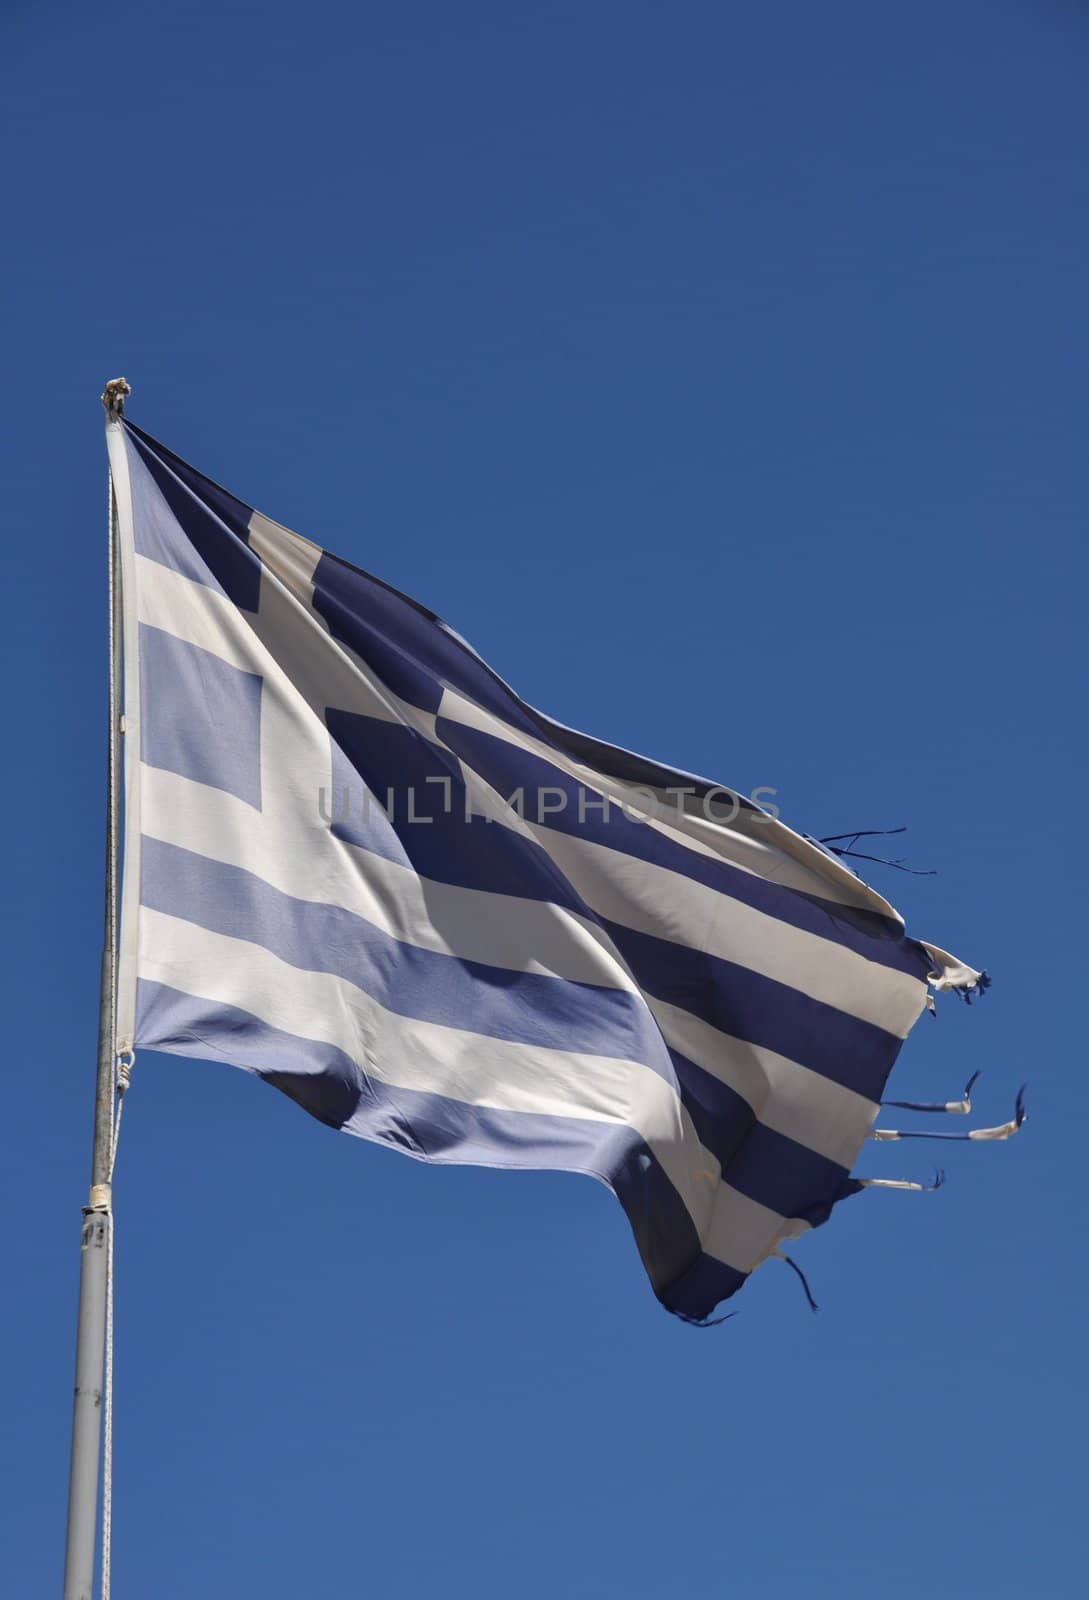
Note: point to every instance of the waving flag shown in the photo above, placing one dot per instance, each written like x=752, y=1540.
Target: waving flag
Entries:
x=360, y=867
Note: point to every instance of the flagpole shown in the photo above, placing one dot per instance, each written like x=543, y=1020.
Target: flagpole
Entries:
x=79, y=1558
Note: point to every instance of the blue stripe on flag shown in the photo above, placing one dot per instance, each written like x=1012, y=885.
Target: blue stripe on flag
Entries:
x=702, y=1287
x=201, y=716
x=332, y=1087
x=486, y=855
x=524, y=1007
x=393, y=632
x=394, y=761
x=391, y=758
x=508, y=768
x=362, y=610
x=777, y=1172
x=214, y=522
x=747, y=1005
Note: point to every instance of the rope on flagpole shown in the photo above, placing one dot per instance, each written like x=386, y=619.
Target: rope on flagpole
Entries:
x=124, y=1065
x=113, y=399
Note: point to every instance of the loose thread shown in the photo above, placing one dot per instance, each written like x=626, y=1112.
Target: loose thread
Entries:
x=903, y=1183
x=1005, y=1130
x=959, y=1107
x=701, y=1322
x=832, y=842
x=966, y=991
x=803, y=1280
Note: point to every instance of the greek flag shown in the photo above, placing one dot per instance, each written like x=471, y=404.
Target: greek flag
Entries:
x=358, y=866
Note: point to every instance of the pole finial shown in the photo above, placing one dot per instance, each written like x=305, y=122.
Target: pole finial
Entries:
x=113, y=396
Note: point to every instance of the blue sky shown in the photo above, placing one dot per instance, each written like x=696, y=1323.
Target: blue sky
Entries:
x=720, y=372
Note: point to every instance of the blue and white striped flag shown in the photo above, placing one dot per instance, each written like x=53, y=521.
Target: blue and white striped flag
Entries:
x=359, y=866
